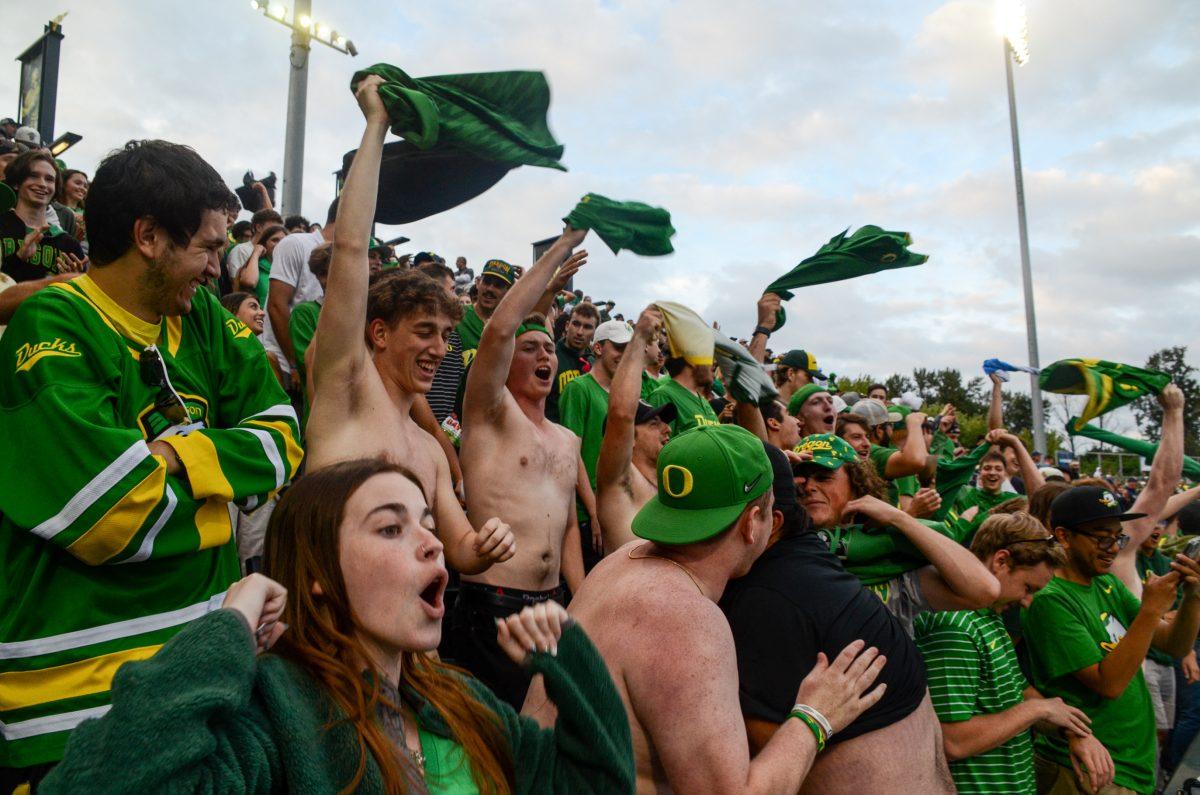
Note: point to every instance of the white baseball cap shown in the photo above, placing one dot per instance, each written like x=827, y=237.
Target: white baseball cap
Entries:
x=615, y=331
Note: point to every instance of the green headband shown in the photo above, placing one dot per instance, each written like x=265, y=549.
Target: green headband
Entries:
x=524, y=327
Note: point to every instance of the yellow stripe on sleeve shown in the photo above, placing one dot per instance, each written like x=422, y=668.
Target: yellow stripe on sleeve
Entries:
x=213, y=523
x=120, y=524
x=295, y=453
x=199, y=457
x=19, y=689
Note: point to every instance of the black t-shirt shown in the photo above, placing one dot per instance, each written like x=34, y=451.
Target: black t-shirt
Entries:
x=43, y=263
x=798, y=600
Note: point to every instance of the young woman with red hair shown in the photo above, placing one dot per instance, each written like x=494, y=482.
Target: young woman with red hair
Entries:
x=348, y=699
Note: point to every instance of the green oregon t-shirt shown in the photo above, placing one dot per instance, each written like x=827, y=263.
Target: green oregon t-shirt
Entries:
x=692, y=409
x=582, y=408
x=1157, y=564
x=904, y=486
x=1069, y=627
x=971, y=666
x=970, y=497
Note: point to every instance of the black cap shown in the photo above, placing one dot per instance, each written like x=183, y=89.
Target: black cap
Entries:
x=1081, y=504
x=645, y=412
x=422, y=257
x=1189, y=519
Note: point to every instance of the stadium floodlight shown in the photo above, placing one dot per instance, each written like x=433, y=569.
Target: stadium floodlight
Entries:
x=1010, y=22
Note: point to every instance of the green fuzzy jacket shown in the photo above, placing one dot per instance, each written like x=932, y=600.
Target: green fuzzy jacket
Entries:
x=206, y=715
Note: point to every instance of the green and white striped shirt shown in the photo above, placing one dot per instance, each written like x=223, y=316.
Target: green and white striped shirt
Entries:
x=972, y=670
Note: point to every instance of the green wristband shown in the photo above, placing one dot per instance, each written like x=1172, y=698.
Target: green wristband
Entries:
x=814, y=727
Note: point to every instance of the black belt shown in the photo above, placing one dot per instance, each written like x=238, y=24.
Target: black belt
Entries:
x=511, y=599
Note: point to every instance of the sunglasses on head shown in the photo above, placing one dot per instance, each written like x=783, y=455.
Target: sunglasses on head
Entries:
x=154, y=374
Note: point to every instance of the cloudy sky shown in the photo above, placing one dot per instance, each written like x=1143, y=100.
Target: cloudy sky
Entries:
x=765, y=128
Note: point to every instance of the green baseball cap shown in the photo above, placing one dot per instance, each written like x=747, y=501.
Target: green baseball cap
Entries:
x=898, y=415
x=706, y=476
x=501, y=270
x=829, y=451
x=802, y=395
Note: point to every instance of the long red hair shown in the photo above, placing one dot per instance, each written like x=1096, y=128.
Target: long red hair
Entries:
x=301, y=548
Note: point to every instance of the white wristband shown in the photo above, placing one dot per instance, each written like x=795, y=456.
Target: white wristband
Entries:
x=815, y=714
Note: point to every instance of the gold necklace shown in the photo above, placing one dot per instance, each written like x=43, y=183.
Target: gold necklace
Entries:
x=686, y=570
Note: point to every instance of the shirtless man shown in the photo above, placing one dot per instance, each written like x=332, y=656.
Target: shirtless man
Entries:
x=364, y=395
x=634, y=434
x=514, y=459
x=651, y=610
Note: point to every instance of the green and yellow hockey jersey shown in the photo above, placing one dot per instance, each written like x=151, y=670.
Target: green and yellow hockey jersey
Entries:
x=103, y=555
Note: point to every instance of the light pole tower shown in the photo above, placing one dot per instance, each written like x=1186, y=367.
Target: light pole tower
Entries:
x=304, y=31
x=1010, y=18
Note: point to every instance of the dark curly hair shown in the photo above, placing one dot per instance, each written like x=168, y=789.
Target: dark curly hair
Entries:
x=395, y=295
x=864, y=480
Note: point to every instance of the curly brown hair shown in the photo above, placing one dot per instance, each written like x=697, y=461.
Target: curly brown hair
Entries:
x=864, y=480
x=395, y=295
x=1039, y=503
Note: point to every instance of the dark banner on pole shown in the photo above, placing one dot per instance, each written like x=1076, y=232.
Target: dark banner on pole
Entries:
x=39, y=82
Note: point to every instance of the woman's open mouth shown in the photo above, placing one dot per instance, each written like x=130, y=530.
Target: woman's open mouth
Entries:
x=431, y=596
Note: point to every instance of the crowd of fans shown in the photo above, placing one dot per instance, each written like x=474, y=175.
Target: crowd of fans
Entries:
x=281, y=510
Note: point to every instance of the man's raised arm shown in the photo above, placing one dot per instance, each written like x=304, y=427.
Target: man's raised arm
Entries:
x=489, y=370
x=616, y=450
x=342, y=354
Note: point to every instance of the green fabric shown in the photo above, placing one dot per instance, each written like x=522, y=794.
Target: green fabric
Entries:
x=953, y=476
x=971, y=497
x=1147, y=450
x=691, y=409
x=264, y=281
x=570, y=366
x=1157, y=564
x=972, y=669
x=1108, y=385
x=1069, y=627
x=869, y=250
x=303, y=325
x=637, y=227
x=498, y=116
x=801, y=396
x=447, y=769
x=470, y=331
x=582, y=409
x=903, y=486
x=828, y=450
x=207, y=715
x=649, y=384
x=876, y=555
x=79, y=409
x=942, y=446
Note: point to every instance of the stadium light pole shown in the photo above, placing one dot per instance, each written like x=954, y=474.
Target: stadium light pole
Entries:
x=304, y=30
x=1010, y=19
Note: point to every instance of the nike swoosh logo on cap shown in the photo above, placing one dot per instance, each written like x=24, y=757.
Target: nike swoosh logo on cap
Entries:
x=749, y=486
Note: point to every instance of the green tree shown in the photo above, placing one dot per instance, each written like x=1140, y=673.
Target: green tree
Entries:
x=1147, y=410
x=939, y=387
x=898, y=384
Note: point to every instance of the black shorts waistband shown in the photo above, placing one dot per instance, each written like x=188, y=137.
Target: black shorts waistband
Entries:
x=512, y=599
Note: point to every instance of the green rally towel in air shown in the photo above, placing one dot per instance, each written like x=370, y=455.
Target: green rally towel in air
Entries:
x=869, y=250
x=635, y=226
x=497, y=116
x=1108, y=385
x=953, y=475
x=1191, y=467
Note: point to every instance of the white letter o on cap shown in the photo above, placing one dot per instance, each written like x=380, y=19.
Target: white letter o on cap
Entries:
x=685, y=489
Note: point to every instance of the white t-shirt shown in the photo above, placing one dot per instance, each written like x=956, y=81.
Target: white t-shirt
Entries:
x=289, y=264
x=239, y=255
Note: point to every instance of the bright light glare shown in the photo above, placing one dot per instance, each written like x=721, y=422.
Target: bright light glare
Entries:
x=340, y=41
x=255, y=5
x=1010, y=22
x=305, y=21
x=323, y=32
x=278, y=11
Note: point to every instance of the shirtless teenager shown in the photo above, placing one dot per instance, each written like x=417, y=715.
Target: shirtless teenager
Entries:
x=515, y=460
x=651, y=610
x=634, y=434
x=376, y=354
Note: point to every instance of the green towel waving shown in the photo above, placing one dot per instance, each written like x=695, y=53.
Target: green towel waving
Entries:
x=635, y=226
x=497, y=116
x=1191, y=467
x=1108, y=385
x=868, y=250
